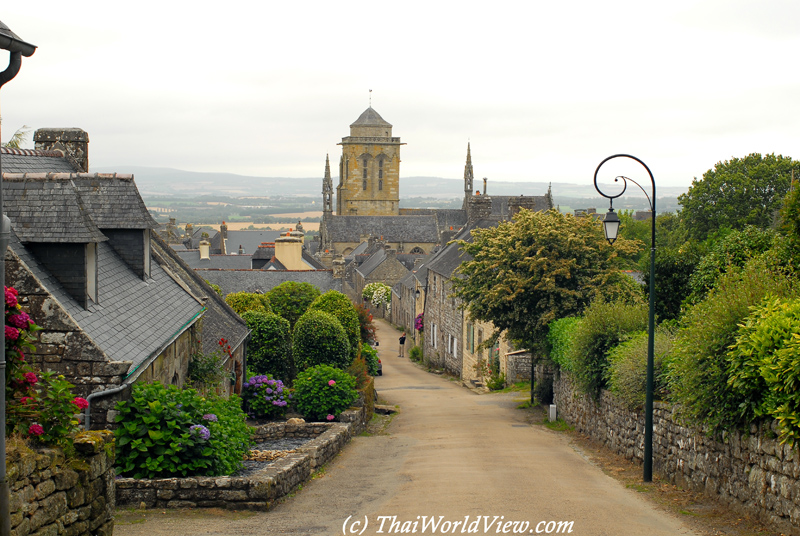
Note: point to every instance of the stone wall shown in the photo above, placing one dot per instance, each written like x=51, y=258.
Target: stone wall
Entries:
x=443, y=348
x=50, y=494
x=257, y=492
x=517, y=366
x=751, y=472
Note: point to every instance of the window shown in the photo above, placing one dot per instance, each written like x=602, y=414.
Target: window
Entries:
x=480, y=340
x=364, y=184
x=380, y=163
x=380, y=173
x=433, y=332
x=364, y=172
x=380, y=184
x=471, y=338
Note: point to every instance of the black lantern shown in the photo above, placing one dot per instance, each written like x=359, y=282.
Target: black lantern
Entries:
x=611, y=225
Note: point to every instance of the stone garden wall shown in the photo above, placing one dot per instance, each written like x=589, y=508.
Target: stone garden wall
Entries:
x=50, y=494
x=752, y=472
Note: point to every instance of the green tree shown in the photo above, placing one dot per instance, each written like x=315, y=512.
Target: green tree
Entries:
x=542, y=266
x=18, y=138
x=291, y=299
x=340, y=306
x=320, y=339
x=241, y=302
x=674, y=269
x=270, y=347
x=738, y=192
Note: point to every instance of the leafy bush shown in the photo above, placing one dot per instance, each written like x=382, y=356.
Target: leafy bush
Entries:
x=378, y=293
x=763, y=366
x=365, y=323
x=603, y=326
x=673, y=270
x=319, y=338
x=167, y=431
x=265, y=397
x=698, y=371
x=270, y=347
x=323, y=392
x=560, y=335
x=292, y=299
x=370, y=356
x=214, y=287
x=208, y=370
x=627, y=371
x=358, y=370
x=241, y=302
x=339, y=305
x=415, y=354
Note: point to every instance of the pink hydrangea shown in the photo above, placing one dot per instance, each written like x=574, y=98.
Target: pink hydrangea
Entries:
x=24, y=399
x=11, y=297
x=332, y=383
x=12, y=334
x=82, y=403
x=331, y=417
x=35, y=429
x=21, y=320
x=30, y=377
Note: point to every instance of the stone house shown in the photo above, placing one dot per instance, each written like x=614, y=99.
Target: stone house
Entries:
x=383, y=266
x=508, y=359
x=113, y=304
x=408, y=299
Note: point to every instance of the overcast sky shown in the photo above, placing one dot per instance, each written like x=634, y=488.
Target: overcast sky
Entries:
x=542, y=90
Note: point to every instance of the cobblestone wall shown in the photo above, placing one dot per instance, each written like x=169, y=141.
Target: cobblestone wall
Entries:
x=752, y=472
x=50, y=494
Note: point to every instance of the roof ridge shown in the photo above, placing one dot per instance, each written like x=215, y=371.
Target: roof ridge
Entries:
x=31, y=152
x=63, y=176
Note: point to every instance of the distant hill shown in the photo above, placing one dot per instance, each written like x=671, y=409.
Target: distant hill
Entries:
x=153, y=181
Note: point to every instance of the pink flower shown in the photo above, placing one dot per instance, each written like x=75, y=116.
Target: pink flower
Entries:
x=331, y=417
x=82, y=403
x=35, y=429
x=24, y=399
x=22, y=320
x=11, y=298
x=332, y=383
x=12, y=334
x=30, y=377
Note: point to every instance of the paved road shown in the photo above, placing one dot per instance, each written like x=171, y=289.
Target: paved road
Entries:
x=468, y=458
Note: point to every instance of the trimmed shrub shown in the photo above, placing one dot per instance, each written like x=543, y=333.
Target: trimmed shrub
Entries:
x=241, y=302
x=270, y=347
x=339, y=305
x=292, y=299
x=673, y=269
x=764, y=368
x=698, y=371
x=265, y=397
x=323, y=392
x=627, y=371
x=415, y=354
x=370, y=356
x=319, y=338
x=167, y=431
x=560, y=335
x=603, y=326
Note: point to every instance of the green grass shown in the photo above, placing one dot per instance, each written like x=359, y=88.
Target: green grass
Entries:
x=516, y=388
x=559, y=425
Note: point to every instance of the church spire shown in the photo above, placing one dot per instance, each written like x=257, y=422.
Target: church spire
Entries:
x=468, y=176
x=327, y=188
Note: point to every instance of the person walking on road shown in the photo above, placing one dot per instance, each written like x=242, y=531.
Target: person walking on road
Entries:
x=402, y=344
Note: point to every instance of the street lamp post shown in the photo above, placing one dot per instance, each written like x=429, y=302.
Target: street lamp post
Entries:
x=611, y=228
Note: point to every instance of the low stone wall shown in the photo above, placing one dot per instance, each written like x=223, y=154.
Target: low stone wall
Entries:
x=256, y=492
x=51, y=495
x=751, y=472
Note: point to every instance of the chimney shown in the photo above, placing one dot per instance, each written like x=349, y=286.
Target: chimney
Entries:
x=223, y=238
x=484, y=186
x=516, y=203
x=338, y=267
x=289, y=252
x=205, y=247
x=73, y=143
x=480, y=207
x=241, y=250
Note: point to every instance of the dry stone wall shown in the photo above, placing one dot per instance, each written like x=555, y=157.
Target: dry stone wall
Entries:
x=50, y=494
x=752, y=472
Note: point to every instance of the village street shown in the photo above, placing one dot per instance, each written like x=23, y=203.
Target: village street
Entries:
x=448, y=452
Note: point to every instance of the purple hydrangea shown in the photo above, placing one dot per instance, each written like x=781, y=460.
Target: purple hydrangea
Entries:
x=200, y=430
x=210, y=417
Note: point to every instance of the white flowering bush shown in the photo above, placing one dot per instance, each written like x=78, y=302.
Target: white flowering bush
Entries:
x=379, y=294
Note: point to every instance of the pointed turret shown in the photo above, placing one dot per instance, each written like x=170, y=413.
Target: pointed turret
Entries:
x=468, y=177
x=327, y=188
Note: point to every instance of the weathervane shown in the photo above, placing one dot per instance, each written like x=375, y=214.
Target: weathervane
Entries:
x=370, y=98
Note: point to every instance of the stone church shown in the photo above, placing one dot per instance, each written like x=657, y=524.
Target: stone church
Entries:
x=368, y=198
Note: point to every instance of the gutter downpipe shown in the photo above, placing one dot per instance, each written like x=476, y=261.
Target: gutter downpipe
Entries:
x=131, y=378
x=15, y=62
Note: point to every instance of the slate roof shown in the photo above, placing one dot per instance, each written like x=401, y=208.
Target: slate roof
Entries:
x=220, y=321
x=264, y=280
x=221, y=262
x=408, y=260
x=370, y=118
x=392, y=228
x=374, y=260
x=113, y=201
x=34, y=161
x=311, y=261
x=133, y=319
x=43, y=208
x=249, y=240
x=451, y=257
x=264, y=252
